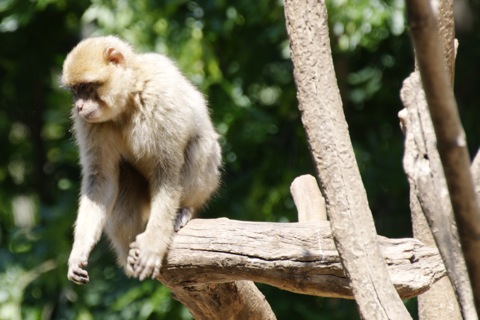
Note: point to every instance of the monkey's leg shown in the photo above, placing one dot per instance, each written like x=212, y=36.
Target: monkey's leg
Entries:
x=201, y=171
x=122, y=229
x=129, y=214
x=150, y=247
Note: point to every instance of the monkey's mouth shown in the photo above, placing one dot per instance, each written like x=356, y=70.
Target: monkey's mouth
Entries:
x=90, y=116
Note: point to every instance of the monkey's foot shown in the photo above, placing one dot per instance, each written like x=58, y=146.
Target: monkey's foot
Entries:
x=76, y=273
x=142, y=261
x=184, y=215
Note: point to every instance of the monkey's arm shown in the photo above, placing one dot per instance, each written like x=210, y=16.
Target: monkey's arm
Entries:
x=150, y=247
x=99, y=191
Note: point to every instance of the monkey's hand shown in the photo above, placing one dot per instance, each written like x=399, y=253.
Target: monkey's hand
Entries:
x=145, y=256
x=76, y=273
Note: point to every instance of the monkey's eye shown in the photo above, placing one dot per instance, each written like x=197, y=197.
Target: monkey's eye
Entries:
x=84, y=88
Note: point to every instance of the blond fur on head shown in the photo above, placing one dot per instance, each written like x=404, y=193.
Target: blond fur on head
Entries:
x=85, y=61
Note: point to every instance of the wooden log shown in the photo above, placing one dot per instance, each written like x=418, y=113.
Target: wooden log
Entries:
x=298, y=257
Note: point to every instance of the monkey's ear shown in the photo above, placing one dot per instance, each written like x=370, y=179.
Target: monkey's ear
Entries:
x=114, y=56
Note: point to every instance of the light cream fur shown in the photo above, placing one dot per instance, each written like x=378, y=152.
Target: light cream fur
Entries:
x=148, y=152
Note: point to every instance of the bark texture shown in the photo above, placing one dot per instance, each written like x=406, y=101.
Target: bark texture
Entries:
x=298, y=257
x=427, y=185
x=234, y=300
x=340, y=181
x=451, y=141
x=440, y=300
x=430, y=204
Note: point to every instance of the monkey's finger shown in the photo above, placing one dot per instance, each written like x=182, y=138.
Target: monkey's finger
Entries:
x=79, y=276
x=139, y=270
x=134, y=253
x=80, y=273
x=156, y=272
x=131, y=260
x=147, y=272
x=151, y=268
x=142, y=269
x=131, y=265
x=153, y=271
x=133, y=245
x=81, y=280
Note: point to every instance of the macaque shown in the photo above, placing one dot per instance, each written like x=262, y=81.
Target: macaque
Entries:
x=149, y=153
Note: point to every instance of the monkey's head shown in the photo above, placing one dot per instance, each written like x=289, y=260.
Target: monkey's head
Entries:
x=99, y=75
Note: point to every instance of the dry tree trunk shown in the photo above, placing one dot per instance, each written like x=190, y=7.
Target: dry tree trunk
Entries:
x=429, y=200
x=329, y=141
x=422, y=161
x=428, y=190
x=233, y=300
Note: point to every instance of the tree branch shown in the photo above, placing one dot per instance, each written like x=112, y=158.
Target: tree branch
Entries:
x=298, y=257
x=232, y=300
x=451, y=141
x=308, y=199
x=339, y=176
x=429, y=199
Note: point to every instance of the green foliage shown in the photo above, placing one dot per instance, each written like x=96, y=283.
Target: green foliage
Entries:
x=238, y=55
x=362, y=23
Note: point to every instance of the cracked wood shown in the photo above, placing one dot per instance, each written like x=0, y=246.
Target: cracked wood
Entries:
x=298, y=257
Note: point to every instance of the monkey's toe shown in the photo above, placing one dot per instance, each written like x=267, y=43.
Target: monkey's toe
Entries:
x=184, y=215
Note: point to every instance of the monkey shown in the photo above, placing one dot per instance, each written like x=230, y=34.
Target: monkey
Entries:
x=149, y=153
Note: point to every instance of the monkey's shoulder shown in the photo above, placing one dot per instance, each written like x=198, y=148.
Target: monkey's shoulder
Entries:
x=155, y=63
x=162, y=85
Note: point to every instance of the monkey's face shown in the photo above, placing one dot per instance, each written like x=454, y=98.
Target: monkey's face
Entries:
x=88, y=104
x=96, y=73
x=101, y=101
